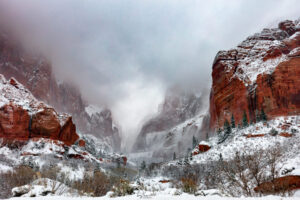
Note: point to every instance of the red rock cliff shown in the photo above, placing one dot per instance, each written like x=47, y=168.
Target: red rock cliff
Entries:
x=261, y=72
x=23, y=117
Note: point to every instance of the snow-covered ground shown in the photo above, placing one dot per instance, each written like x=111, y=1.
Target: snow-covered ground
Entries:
x=164, y=197
x=239, y=142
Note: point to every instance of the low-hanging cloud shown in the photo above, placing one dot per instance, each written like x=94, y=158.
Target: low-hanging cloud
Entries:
x=125, y=53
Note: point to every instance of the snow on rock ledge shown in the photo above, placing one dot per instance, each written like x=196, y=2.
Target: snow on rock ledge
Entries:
x=260, y=73
x=22, y=116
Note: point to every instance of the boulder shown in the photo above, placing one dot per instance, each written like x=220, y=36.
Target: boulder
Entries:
x=282, y=184
x=46, y=124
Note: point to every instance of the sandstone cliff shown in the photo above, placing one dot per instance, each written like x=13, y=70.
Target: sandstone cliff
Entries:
x=23, y=117
x=263, y=72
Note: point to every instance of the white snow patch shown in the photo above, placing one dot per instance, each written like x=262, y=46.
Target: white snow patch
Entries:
x=92, y=110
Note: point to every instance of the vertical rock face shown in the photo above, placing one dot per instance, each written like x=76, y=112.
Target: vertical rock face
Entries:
x=263, y=72
x=35, y=73
x=14, y=122
x=23, y=117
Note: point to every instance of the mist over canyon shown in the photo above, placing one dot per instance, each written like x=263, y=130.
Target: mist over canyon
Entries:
x=125, y=55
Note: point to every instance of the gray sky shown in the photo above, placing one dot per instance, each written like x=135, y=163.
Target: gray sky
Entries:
x=125, y=53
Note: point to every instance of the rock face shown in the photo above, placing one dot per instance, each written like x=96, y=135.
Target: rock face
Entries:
x=282, y=184
x=260, y=73
x=172, y=130
x=23, y=117
x=35, y=73
x=14, y=122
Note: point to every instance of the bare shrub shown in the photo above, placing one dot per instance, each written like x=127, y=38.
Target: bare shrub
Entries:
x=188, y=185
x=246, y=171
x=122, y=188
x=96, y=185
x=21, y=175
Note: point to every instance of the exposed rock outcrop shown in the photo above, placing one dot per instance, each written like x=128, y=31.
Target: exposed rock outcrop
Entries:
x=260, y=73
x=23, y=117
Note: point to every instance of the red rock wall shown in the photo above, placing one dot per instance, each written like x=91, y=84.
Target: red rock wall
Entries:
x=278, y=93
x=15, y=124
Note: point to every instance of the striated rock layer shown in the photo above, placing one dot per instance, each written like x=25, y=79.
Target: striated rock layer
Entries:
x=263, y=72
x=23, y=117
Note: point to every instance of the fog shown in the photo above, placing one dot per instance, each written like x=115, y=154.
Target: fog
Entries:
x=124, y=54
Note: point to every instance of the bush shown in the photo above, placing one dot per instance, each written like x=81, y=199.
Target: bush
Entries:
x=273, y=132
x=21, y=175
x=122, y=188
x=97, y=184
x=188, y=185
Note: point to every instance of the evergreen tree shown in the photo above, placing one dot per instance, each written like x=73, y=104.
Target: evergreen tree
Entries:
x=263, y=115
x=143, y=165
x=257, y=115
x=227, y=128
x=191, y=156
x=186, y=160
x=232, y=121
x=195, y=142
x=245, y=120
x=174, y=156
x=219, y=132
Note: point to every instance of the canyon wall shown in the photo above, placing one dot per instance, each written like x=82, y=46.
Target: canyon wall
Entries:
x=263, y=72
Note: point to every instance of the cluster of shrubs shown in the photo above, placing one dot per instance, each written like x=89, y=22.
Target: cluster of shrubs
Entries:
x=94, y=182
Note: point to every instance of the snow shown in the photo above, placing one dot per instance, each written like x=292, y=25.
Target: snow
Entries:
x=240, y=141
x=163, y=197
x=42, y=187
x=5, y=168
x=22, y=97
x=253, y=67
x=161, y=145
x=73, y=174
x=92, y=110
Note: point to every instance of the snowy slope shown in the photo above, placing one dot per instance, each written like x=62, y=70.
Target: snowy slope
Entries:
x=239, y=142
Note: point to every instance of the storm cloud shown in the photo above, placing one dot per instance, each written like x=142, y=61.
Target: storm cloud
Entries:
x=124, y=54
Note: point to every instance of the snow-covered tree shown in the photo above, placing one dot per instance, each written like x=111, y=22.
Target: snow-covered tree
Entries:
x=143, y=165
x=263, y=115
x=227, y=128
x=195, y=142
x=232, y=121
x=245, y=120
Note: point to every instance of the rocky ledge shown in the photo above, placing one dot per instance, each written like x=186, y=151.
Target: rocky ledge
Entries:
x=23, y=117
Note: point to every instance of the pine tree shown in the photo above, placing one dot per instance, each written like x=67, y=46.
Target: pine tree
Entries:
x=232, y=121
x=186, y=160
x=245, y=120
x=143, y=165
x=174, y=156
x=219, y=132
x=195, y=142
x=227, y=128
x=263, y=115
x=257, y=115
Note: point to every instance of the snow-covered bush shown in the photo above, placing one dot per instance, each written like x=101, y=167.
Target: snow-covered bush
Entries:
x=273, y=132
x=93, y=184
x=122, y=188
x=21, y=175
x=248, y=170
